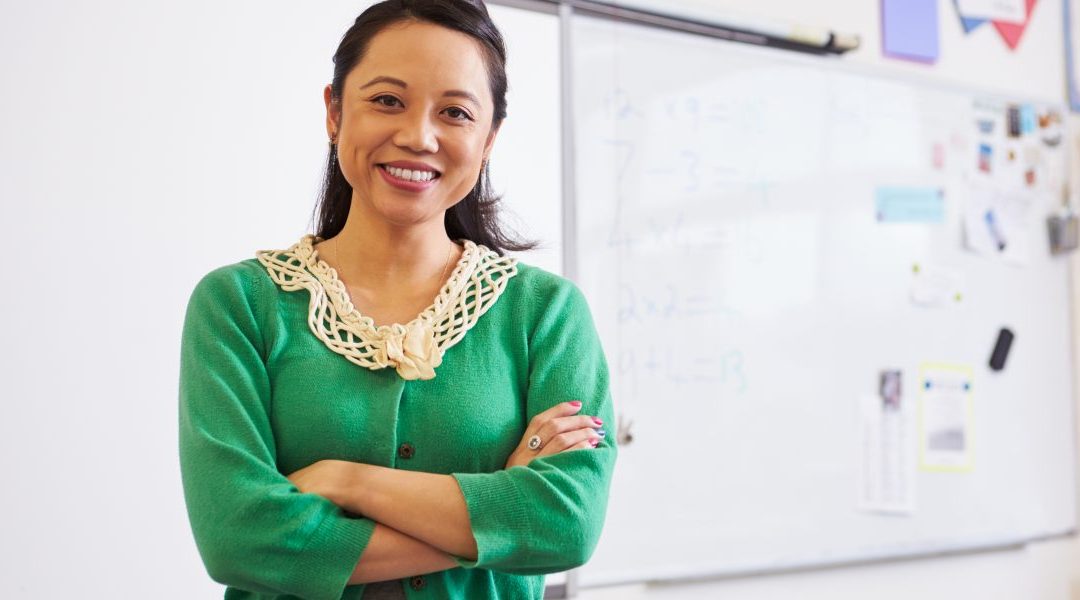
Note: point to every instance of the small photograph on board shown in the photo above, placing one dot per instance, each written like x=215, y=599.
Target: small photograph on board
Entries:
x=1028, y=120
x=986, y=158
x=1012, y=121
x=1051, y=128
x=889, y=389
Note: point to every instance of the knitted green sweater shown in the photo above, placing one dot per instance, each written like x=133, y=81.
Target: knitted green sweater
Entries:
x=262, y=396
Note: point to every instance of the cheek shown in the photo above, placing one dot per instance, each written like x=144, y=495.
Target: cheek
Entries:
x=354, y=155
x=469, y=158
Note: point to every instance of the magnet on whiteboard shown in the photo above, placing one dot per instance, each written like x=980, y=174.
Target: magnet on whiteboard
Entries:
x=1001, y=349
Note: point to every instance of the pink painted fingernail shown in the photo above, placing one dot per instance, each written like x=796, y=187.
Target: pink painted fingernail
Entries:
x=576, y=403
x=597, y=421
x=594, y=442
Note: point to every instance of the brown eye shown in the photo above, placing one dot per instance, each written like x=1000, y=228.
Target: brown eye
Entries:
x=379, y=100
x=464, y=116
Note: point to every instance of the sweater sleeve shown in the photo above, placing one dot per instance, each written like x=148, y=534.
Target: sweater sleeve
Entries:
x=546, y=517
x=253, y=528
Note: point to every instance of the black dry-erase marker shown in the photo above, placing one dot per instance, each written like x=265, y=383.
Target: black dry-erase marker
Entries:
x=1001, y=349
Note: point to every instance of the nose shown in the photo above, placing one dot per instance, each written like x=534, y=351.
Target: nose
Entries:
x=417, y=133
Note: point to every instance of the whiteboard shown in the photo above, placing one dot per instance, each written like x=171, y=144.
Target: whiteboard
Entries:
x=748, y=296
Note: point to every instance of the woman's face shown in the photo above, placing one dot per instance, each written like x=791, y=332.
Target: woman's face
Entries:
x=414, y=125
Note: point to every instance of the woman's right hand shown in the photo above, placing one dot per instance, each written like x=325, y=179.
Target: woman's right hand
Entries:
x=560, y=428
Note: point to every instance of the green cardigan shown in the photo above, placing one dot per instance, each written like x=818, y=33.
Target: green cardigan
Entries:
x=261, y=397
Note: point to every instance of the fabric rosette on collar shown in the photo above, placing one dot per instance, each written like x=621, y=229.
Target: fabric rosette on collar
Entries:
x=411, y=350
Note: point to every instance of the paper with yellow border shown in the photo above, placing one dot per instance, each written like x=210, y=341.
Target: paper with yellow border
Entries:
x=946, y=417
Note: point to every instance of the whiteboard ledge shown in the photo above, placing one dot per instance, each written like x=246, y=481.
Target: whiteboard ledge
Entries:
x=700, y=573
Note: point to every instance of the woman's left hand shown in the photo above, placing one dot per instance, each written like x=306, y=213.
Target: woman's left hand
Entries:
x=331, y=479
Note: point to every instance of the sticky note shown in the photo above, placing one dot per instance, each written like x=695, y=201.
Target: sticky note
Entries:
x=910, y=29
x=910, y=205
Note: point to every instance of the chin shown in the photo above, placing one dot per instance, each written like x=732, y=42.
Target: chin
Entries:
x=407, y=218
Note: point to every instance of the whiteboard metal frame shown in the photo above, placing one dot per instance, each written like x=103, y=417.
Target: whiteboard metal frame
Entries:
x=1071, y=7
x=569, y=203
x=837, y=44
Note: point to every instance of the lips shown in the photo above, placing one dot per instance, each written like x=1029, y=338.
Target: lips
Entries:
x=411, y=165
x=402, y=178
x=409, y=174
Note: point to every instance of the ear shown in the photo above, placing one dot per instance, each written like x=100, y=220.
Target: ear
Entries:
x=491, y=140
x=333, y=113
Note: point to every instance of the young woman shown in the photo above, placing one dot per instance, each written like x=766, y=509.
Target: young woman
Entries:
x=343, y=435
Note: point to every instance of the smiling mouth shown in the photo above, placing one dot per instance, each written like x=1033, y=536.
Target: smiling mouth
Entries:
x=410, y=174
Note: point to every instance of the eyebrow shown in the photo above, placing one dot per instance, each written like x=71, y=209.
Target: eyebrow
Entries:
x=403, y=85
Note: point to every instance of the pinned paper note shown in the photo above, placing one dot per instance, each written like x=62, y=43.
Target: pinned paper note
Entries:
x=997, y=224
x=1005, y=11
x=910, y=29
x=946, y=420
x=935, y=286
x=910, y=205
x=886, y=426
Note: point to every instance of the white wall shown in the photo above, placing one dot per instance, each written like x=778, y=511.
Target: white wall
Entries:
x=143, y=144
x=1048, y=570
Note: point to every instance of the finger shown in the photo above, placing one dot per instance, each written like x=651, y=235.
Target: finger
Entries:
x=562, y=409
x=569, y=439
x=563, y=424
x=586, y=445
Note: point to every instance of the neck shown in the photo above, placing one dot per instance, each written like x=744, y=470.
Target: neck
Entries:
x=373, y=254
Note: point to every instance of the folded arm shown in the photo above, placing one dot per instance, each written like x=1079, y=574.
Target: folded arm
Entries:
x=391, y=554
x=542, y=517
x=254, y=530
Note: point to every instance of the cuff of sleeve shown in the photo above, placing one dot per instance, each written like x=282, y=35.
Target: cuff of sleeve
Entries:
x=497, y=516
x=331, y=555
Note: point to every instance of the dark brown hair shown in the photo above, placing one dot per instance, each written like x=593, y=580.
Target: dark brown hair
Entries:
x=476, y=216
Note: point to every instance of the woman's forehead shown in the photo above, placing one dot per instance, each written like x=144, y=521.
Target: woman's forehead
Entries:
x=425, y=57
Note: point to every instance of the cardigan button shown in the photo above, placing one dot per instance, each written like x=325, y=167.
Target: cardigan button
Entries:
x=417, y=583
x=406, y=450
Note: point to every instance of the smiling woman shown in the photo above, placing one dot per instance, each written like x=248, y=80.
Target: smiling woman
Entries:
x=391, y=404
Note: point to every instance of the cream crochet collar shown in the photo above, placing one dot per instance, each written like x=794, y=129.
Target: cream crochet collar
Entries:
x=414, y=348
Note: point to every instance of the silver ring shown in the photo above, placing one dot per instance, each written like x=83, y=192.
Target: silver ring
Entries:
x=534, y=442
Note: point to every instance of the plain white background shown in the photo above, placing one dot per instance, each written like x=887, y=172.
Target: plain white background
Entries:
x=144, y=144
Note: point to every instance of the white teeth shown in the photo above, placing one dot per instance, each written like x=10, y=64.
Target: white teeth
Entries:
x=410, y=174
